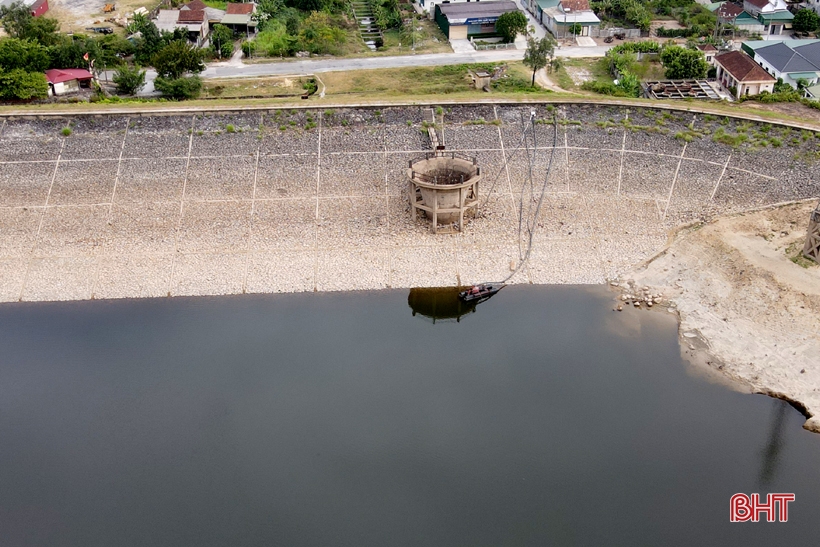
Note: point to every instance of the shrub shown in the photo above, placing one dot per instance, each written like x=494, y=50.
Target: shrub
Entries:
x=18, y=84
x=66, y=131
x=179, y=88
x=129, y=80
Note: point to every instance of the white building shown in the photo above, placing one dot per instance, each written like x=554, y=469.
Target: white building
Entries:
x=561, y=19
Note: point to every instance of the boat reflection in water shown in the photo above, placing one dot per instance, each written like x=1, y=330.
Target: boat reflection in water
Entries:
x=440, y=303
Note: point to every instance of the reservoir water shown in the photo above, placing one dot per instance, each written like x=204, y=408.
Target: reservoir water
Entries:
x=543, y=418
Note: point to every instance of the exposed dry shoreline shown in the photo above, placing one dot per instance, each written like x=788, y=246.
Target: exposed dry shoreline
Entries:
x=746, y=310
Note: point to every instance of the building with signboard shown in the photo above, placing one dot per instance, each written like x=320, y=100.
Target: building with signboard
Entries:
x=471, y=19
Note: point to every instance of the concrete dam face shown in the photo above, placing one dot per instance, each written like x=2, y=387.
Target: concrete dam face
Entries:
x=302, y=200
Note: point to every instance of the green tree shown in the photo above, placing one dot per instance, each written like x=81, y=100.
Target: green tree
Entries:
x=386, y=14
x=113, y=48
x=683, y=64
x=177, y=59
x=319, y=35
x=150, y=40
x=292, y=20
x=538, y=54
x=268, y=9
x=222, y=41
x=25, y=54
x=129, y=80
x=19, y=23
x=805, y=20
x=70, y=50
x=179, y=88
x=275, y=41
x=511, y=24
x=18, y=84
x=575, y=29
x=305, y=5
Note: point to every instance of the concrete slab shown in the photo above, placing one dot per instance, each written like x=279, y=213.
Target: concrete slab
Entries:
x=352, y=269
x=281, y=271
x=12, y=273
x=585, y=41
x=60, y=278
x=133, y=276
x=428, y=266
x=208, y=274
x=288, y=224
x=214, y=227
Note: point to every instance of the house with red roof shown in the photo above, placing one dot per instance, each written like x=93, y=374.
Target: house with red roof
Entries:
x=67, y=80
x=239, y=17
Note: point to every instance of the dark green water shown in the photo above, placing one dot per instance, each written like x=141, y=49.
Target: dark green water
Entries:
x=543, y=418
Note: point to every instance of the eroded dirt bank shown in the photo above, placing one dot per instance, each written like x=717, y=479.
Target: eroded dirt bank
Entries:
x=758, y=312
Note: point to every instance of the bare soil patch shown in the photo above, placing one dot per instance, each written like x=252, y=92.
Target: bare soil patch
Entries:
x=756, y=312
x=792, y=109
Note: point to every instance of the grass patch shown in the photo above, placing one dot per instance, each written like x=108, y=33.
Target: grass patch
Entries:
x=479, y=121
x=795, y=254
x=438, y=80
x=66, y=131
x=258, y=88
x=723, y=137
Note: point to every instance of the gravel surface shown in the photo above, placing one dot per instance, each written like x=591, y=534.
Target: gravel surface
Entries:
x=303, y=200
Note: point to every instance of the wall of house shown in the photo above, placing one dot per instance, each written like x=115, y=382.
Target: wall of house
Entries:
x=39, y=8
x=66, y=87
x=774, y=72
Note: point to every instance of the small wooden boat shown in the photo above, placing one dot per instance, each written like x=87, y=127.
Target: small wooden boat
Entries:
x=480, y=292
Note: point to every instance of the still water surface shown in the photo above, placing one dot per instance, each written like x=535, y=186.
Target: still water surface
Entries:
x=543, y=418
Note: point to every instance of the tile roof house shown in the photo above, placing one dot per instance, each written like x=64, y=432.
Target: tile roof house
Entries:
x=791, y=61
x=709, y=51
x=240, y=9
x=194, y=17
x=736, y=70
x=239, y=17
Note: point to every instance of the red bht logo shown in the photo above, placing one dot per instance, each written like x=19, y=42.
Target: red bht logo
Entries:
x=745, y=508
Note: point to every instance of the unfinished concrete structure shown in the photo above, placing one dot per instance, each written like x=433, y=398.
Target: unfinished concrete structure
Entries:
x=445, y=186
x=812, y=247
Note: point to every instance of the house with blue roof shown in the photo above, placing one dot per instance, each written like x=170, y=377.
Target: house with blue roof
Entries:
x=791, y=60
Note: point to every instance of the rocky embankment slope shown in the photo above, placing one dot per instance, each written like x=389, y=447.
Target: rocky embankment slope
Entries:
x=746, y=309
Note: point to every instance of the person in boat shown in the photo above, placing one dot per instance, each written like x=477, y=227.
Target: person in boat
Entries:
x=475, y=290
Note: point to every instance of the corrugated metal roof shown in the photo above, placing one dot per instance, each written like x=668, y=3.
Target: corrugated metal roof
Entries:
x=777, y=16
x=59, y=75
x=236, y=19
x=474, y=10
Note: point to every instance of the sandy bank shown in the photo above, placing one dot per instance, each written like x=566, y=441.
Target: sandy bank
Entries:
x=759, y=313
